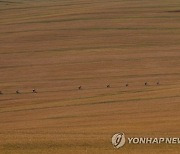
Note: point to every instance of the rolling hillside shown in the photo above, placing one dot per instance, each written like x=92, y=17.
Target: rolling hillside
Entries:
x=57, y=46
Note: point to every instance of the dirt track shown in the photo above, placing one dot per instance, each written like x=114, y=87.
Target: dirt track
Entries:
x=57, y=46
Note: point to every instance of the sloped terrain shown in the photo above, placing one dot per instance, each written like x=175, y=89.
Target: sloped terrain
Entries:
x=57, y=46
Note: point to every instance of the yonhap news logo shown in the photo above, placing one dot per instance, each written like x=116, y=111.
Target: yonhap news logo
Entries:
x=119, y=140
